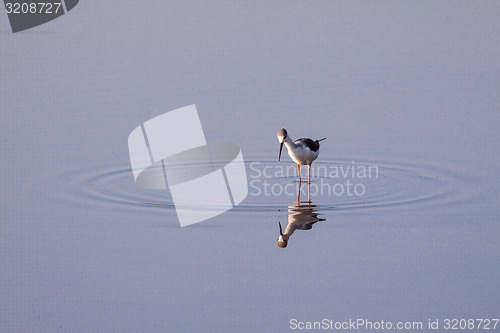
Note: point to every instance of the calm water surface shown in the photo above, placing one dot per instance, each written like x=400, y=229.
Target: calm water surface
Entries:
x=406, y=96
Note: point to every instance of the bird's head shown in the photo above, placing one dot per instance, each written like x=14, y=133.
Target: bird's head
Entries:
x=282, y=135
x=282, y=242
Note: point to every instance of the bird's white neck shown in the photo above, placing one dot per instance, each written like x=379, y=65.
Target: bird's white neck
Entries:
x=289, y=143
x=290, y=228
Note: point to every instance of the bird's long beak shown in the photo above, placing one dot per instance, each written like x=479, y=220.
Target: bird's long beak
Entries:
x=281, y=230
x=281, y=148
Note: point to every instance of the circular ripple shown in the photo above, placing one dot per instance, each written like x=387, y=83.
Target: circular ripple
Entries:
x=345, y=184
x=274, y=185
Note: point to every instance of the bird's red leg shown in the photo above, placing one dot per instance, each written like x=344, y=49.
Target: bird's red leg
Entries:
x=298, y=168
x=309, y=178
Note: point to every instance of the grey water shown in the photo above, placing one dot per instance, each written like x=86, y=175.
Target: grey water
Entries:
x=401, y=219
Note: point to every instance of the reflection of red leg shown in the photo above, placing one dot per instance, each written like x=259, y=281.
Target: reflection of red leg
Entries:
x=309, y=193
x=298, y=168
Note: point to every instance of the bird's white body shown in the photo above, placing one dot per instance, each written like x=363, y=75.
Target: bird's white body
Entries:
x=299, y=152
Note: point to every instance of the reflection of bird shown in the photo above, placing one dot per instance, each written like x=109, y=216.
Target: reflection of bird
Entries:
x=302, y=151
x=301, y=217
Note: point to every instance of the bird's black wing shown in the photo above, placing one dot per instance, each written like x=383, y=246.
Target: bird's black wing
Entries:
x=313, y=145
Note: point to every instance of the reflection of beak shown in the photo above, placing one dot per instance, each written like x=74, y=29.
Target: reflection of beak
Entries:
x=281, y=230
x=281, y=148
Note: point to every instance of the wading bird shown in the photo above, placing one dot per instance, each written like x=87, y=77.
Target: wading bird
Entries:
x=302, y=151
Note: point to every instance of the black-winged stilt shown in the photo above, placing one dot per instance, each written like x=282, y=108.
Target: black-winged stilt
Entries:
x=302, y=151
